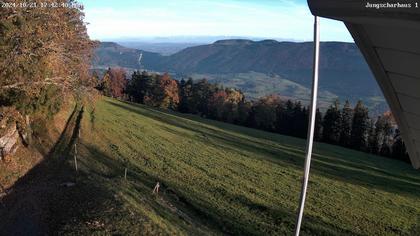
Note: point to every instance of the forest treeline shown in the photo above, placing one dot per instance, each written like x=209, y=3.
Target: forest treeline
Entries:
x=343, y=125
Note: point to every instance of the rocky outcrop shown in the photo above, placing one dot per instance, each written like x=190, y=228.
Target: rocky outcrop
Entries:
x=13, y=129
x=8, y=142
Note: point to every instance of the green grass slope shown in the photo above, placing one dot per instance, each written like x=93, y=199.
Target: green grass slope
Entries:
x=218, y=178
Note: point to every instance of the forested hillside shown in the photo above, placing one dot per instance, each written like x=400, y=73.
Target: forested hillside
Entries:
x=261, y=68
x=342, y=65
x=343, y=70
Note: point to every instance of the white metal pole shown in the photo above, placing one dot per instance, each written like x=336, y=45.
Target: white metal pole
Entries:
x=311, y=128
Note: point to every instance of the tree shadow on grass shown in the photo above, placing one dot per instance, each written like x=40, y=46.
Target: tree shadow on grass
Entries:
x=346, y=170
x=42, y=202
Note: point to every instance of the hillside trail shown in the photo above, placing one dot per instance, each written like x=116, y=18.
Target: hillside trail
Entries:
x=26, y=209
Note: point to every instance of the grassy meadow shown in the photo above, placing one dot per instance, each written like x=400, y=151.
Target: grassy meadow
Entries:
x=218, y=178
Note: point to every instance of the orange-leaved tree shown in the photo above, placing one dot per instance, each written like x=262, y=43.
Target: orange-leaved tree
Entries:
x=43, y=45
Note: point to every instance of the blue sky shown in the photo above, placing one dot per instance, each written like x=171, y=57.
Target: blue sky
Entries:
x=287, y=19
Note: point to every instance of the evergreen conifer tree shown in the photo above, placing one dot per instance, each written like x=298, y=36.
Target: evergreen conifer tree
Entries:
x=346, y=123
x=360, y=127
x=332, y=124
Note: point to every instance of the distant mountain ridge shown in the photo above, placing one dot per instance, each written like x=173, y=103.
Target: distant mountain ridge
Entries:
x=342, y=66
x=228, y=56
x=343, y=70
x=110, y=54
x=164, y=49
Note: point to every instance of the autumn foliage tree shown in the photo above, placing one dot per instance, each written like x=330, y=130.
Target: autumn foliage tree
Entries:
x=224, y=104
x=166, y=93
x=113, y=83
x=154, y=90
x=41, y=46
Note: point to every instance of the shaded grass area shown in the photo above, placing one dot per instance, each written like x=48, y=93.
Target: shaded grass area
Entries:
x=28, y=209
x=216, y=178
